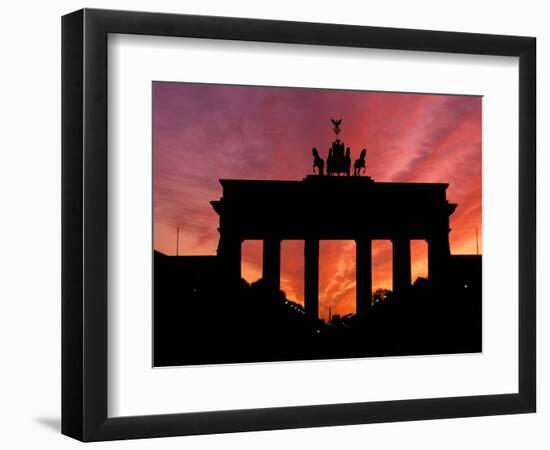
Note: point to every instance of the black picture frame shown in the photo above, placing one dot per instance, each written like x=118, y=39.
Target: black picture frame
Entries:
x=84, y=224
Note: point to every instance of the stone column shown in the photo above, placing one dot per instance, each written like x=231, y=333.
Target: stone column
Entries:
x=229, y=252
x=271, y=267
x=438, y=256
x=363, y=275
x=401, y=264
x=311, y=278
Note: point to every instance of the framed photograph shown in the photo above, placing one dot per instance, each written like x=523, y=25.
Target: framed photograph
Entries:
x=273, y=224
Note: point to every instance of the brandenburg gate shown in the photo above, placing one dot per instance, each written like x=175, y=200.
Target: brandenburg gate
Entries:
x=333, y=208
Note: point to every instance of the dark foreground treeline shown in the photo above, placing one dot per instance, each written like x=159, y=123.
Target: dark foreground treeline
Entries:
x=202, y=321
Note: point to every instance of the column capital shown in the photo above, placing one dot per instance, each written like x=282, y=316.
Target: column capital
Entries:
x=363, y=239
x=400, y=239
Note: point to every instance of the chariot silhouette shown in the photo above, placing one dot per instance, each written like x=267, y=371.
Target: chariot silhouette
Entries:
x=339, y=157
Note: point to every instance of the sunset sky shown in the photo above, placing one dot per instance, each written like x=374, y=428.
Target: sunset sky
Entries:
x=204, y=132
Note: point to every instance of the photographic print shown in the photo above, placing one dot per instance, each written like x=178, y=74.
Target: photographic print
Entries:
x=304, y=223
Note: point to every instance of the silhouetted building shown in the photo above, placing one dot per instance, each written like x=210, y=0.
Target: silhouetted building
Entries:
x=347, y=208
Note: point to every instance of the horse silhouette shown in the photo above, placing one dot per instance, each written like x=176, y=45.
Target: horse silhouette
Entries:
x=318, y=162
x=360, y=163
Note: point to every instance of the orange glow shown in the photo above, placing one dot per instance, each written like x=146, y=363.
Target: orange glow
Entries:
x=251, y=260
x=419, y=259
x=292, y=270
x=336, y=277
